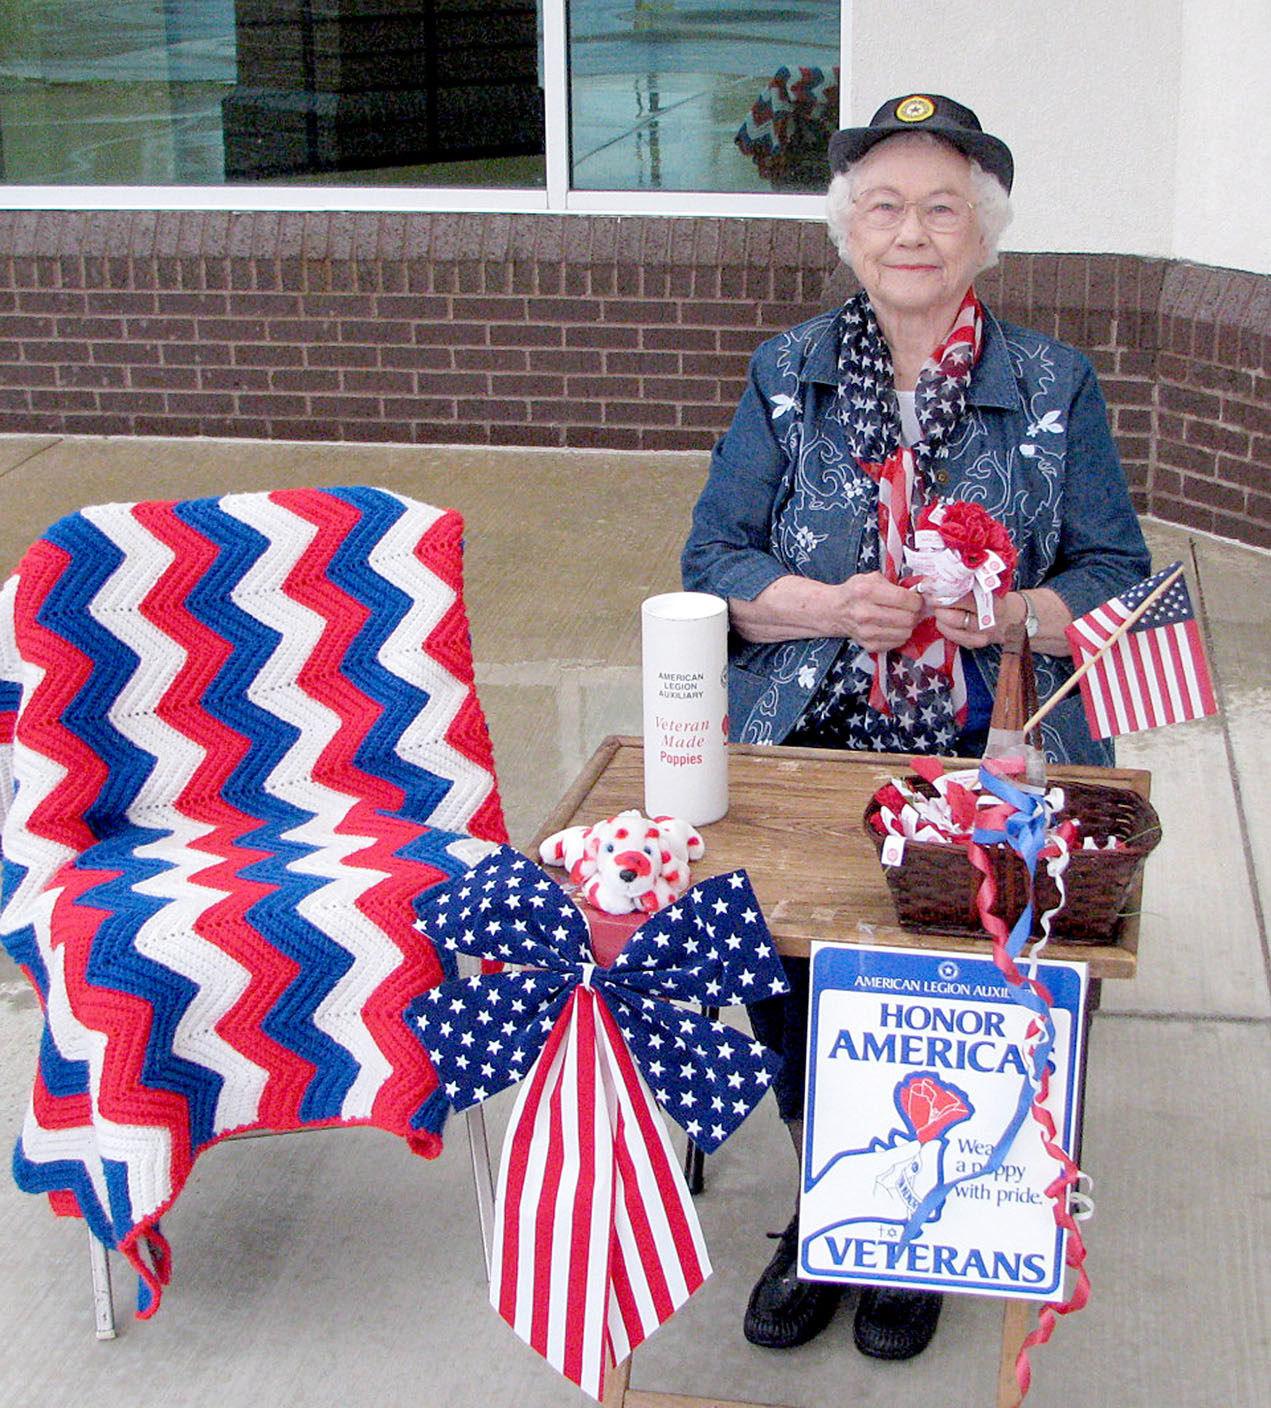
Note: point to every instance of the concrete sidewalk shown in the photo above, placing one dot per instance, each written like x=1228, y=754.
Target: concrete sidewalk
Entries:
x=334, y=1268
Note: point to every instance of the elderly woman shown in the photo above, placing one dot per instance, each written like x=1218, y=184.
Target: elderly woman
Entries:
x=850, y=424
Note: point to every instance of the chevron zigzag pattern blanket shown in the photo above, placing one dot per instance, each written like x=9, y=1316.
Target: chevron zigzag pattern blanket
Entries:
x=238, y=738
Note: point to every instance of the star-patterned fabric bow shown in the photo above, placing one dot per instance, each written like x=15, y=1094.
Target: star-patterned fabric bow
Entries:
x=596, y=1238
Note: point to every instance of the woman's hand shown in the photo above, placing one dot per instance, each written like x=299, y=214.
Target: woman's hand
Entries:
x=960, y=622
x=867, y=608
x=876, y=613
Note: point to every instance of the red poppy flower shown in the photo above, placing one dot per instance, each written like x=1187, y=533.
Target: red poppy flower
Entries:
x=972, y=534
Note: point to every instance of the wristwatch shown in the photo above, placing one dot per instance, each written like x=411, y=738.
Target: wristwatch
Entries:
x=1031, y=623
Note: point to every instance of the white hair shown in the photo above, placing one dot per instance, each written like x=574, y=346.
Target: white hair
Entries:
x=989, y=198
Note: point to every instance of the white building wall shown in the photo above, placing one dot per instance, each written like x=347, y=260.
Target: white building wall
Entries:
x=1222, y=185
x=1142, y=127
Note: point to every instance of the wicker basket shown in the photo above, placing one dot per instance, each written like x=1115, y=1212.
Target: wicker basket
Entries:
x=935, y=886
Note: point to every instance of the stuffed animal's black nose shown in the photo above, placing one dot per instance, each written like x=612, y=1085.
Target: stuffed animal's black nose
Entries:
x=626, y=876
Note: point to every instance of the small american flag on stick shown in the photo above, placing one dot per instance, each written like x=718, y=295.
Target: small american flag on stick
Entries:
x=1143, y=659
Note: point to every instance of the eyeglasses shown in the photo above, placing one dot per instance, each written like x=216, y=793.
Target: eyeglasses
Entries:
x=885, y=210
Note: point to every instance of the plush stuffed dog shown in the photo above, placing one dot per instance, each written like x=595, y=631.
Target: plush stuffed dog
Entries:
x=627, y=862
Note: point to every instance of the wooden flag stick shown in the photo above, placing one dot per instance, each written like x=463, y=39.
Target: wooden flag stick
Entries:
x=1075, y=678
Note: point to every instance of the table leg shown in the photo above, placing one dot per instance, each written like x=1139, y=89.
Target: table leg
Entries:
x=616, y=1380
x=694, y=1168
x=694, y=1155
x=1017, y=1321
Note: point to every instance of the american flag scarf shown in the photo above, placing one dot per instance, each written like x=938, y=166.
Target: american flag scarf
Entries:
x=869, y=412
x=596, y=1239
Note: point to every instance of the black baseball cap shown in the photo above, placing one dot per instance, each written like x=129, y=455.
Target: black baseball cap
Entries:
x=925, y=112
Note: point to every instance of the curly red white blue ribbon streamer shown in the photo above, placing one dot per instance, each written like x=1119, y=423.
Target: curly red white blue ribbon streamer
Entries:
x=1021, y=824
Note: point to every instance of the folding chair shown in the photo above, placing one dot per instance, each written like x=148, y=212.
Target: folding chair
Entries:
x=239, y=737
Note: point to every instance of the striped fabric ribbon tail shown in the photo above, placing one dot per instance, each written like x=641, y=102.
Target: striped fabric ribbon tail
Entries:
x=596, y=1240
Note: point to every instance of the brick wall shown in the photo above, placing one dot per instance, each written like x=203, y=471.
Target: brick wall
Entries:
x=1212, y=465
x=587, y=331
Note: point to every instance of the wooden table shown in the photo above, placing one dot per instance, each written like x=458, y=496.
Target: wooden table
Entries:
x=794, y=824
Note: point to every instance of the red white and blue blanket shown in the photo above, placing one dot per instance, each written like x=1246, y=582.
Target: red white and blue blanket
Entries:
x=239, y=737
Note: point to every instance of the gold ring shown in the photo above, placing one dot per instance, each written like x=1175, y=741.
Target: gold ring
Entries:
x=966, y=619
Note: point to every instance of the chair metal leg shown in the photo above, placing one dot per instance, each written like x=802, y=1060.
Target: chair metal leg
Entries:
x=483, y=1180
x=479, y=1148
x=103, y=1300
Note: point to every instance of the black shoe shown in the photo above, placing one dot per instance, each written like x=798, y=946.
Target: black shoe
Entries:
x=784, y=1311
x=895, y=1324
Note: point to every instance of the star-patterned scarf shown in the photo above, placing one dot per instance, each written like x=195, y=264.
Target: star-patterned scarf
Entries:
x=919, y=690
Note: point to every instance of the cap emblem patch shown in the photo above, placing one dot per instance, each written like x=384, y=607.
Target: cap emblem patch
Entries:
x=915, y=109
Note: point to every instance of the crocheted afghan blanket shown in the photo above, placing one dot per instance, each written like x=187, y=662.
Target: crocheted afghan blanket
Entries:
x=239, y=737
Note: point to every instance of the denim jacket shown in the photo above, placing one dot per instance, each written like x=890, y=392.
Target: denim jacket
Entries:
x=1034, y=449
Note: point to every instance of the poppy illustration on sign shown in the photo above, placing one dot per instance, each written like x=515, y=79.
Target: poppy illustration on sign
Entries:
x=890, y=1178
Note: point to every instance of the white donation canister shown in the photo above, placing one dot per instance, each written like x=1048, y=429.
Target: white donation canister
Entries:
x=685, y=656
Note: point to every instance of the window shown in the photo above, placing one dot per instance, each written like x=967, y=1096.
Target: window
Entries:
x=210, y=91
x=565, y=101
x=680, y=95
x=112, y=93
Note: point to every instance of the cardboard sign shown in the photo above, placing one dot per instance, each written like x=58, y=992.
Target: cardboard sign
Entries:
x=917, y=1062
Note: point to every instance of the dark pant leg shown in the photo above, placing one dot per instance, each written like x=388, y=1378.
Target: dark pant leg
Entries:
x=781, y=1024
